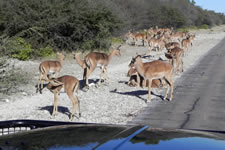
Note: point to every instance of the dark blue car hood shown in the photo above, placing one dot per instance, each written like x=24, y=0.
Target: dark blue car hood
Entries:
x=106, y=137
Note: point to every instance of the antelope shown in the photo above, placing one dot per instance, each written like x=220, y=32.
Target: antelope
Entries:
x=129, y=38
x=158, y=44
x=137, y=37
x=134, y=77
x=154, y=70
x=176, y=54
x=172, y=45
x=133, y=71
x=92, y=59
x=137, y=80
x=178, y=36
x=81, y=63
x=186, y=43
x=47, y=67
x=69, y=84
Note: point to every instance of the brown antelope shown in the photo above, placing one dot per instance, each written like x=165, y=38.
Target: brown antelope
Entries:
x=93, y=59
x=186, y=43
x=178, y=36
x=49, y=67
x=176, y=54
x=134, y=74
x=69, y=84
x=137, y=80
x=134, y=77
x=172, y=45
x=129, y=38
x=154, y=70
x=81, y=62
x=156, y=44
x=139, y=37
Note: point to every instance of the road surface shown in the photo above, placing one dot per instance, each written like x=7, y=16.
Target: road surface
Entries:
x=199, y=97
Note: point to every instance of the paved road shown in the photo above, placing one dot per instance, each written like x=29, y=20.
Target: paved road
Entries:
x=199, y=98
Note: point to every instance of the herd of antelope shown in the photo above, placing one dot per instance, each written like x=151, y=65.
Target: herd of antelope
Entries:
x=154, y=74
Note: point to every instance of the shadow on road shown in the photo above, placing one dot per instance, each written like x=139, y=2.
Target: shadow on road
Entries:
x=137, y=93
x=61, y=109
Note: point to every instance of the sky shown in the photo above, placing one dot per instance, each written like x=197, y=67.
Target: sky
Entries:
x=216, y=5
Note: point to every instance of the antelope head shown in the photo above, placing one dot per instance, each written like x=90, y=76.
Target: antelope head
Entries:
x=53, y=83
x=116, y=51
x=60, y=55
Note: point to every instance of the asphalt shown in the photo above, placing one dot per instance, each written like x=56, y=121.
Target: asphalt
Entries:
x=199, y=98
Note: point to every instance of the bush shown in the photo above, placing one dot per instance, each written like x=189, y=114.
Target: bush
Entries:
x=67, y=25
x=11, y=78
x=45, y=52
x=183, y=30
x=90, y=24
x=88, y=45
x=116, y=40
x=19, y=49
x=204, y=26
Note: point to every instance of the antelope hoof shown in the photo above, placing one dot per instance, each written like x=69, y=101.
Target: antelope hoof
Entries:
x=97, y=85
x=54, y=114
x=37, y=90
x=147, y=101
x=71, y=117
x=86, y=88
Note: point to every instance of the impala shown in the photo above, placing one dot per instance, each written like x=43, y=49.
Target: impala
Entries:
x=96, y=58
x=186, y=43
x=155, y=70
x=49, y=67
x=70, y=85
x=156, y=44
x=139, y=37
x=137, y=80
x=176, y=54
x=172, y=45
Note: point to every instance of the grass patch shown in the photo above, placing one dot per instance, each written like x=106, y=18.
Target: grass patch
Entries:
x=116, y=40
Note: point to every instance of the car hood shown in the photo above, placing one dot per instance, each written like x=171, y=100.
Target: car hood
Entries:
x=106, y=137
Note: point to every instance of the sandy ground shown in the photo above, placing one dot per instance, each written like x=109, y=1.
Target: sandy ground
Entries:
x=112, y=103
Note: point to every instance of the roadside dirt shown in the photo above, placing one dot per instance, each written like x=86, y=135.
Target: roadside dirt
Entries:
x=111, y=103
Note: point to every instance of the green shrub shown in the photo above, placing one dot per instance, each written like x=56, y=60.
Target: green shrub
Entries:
x=193, y=27
x=116, y=40
x=19, y=49
x=88, y=45
x=183, y=30
x=204, y=26
x=45, y=52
